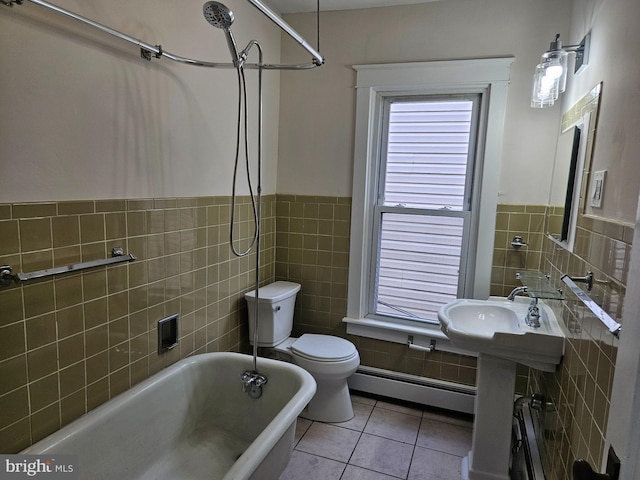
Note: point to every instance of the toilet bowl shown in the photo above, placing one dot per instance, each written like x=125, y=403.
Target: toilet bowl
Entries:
x=329, y=359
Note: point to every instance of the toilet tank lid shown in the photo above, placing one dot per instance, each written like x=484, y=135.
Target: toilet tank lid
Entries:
x=274, y=292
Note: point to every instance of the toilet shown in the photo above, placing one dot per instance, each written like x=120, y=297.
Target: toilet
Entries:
x=330, y=360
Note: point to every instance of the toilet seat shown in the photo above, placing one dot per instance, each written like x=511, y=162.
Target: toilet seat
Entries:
x=323, y=348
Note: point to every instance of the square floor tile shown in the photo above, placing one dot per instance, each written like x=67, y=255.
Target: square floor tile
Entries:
x=445, y=437
x=432, y=465
x=361, y=414
x=329, y=441
x=400, y=407
x=362, y=399
x=382, y=455
x=356, y=473
x=446, y=416
x=394, y=425
x=304, y=466
x=302, y=425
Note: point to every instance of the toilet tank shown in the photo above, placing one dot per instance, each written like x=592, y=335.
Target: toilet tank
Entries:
x=276, y=303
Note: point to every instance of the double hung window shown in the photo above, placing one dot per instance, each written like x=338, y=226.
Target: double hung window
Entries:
x=428, y=145
x=423, y=213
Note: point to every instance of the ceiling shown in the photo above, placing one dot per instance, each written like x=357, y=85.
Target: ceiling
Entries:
x=299, y=6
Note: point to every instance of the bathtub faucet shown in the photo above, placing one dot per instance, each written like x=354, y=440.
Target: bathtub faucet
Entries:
x=252, y=382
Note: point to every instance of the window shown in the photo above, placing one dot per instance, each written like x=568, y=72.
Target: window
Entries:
x=423, y=210
x=422, y=227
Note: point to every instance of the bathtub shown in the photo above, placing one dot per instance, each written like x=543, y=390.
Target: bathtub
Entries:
x=190, y=421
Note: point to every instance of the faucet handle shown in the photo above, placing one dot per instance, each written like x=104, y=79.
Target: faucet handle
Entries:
x=252, y=382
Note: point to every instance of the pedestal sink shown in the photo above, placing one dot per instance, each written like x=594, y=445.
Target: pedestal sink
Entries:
x=497, y=330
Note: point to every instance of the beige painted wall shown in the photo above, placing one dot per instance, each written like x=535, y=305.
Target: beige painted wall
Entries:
x=317, y=109
x=82, y=116
x=614, y=39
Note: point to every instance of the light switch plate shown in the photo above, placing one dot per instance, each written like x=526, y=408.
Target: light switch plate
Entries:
x=597, y=188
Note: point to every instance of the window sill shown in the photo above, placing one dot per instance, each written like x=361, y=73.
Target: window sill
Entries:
x=423, y=335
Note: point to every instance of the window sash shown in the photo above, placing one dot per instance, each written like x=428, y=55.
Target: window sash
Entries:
x=399, y=264
x=451, y=143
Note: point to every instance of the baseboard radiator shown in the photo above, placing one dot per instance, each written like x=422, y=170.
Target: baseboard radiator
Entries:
x=412, y=388
x=526, y=463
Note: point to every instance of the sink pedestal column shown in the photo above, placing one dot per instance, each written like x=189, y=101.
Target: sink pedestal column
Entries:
x=491, y=441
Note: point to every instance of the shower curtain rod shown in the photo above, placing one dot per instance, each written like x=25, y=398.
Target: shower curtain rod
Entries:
x=147, y=50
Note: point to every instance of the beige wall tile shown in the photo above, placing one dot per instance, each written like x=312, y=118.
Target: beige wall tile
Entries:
x=40, y=331
x=11, y=305
x=10, y=237
x=96, y=330
x=13, y=373
x=35, y=234
x=12, y=340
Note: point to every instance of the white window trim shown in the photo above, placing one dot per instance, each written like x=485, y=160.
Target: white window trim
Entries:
x=491, y=76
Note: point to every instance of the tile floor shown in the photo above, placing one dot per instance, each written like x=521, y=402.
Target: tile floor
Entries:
x=384, y=441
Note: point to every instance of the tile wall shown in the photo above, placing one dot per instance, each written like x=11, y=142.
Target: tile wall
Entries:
x=313, y=250
x=69, y=343
x=526, y=221
x=581, y=387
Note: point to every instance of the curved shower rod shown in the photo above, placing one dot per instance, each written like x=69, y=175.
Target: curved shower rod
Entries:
x=147, y=50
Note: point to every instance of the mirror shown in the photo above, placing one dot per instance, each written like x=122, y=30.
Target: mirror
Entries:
x=571, y=168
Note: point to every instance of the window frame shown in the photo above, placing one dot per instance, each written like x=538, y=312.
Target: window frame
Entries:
x=487, y=77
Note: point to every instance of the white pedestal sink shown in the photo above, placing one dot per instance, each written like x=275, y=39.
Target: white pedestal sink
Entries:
x=497, y=330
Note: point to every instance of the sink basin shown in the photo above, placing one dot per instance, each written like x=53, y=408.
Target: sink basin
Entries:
x=497, y=327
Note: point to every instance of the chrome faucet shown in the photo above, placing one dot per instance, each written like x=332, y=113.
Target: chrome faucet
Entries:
x=252, y=382
x=533, y=315
x=516, y=291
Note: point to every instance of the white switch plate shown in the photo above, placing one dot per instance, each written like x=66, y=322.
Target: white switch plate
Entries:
x=597, y=188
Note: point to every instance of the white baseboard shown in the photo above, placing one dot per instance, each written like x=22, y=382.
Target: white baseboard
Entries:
x=411, y=388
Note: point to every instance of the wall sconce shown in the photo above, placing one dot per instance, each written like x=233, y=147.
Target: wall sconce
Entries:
x=550, y=77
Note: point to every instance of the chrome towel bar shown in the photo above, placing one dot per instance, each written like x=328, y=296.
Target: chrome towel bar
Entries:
x=613, y=326
x=7, y=275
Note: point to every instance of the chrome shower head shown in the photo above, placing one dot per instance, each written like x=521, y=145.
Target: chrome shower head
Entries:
x=218, y=15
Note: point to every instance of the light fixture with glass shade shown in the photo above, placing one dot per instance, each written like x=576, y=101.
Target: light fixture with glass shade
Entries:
x=550, y=77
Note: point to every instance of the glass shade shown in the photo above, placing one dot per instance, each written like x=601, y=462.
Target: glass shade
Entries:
x=546, y=87
x=556, y=66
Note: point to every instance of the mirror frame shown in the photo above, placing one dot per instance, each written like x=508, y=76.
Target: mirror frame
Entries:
x=584, y=115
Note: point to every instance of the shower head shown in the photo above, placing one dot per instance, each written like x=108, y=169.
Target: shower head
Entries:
x=220, y=16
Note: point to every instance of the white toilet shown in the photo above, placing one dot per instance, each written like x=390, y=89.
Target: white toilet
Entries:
x=330, y=360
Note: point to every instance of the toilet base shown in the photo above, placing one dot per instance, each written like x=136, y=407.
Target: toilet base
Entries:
x=330, y=404
x=332, y=401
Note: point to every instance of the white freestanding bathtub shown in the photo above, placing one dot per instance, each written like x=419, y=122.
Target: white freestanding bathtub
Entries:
x=190, y=421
